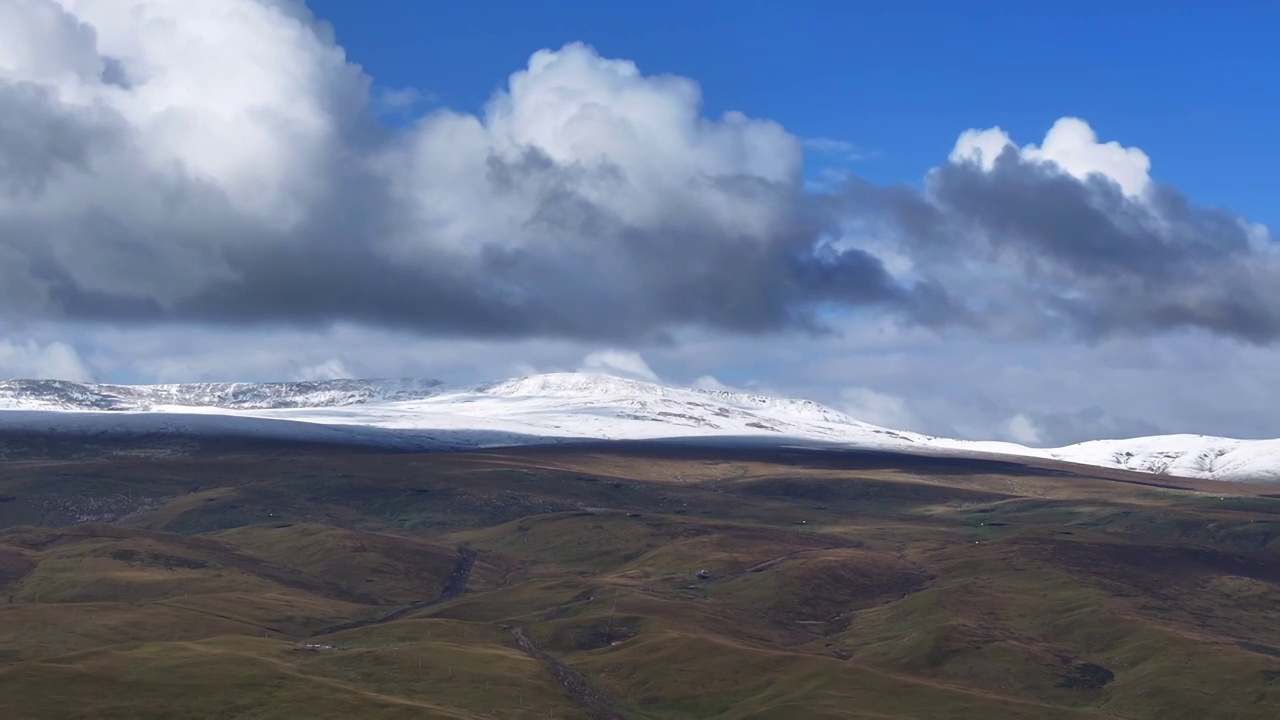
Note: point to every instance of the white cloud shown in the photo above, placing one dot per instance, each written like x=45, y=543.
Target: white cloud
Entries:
x=174, y=143
x=31, y=359
x=159, y=136
x=1071, y=144
x=331, y=369
x=877, y=408
x=400, y=100
x=633, y=145
x=710, y=382
x=1022, y=429
x=40, y=41
x=523, y=369
x=241, y=94
x=619, y=362
x=1261, y=239
x=842, y=149
x=980, y=146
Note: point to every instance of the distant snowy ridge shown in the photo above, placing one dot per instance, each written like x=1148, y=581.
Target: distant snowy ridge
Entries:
x=592, y=387
x=64, y=395
x=1199, y=456
x=557, y=407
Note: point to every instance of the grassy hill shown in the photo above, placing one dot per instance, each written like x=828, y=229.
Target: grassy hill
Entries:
x=631, y=580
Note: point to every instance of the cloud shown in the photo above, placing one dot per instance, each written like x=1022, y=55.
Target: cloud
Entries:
x=711, y=382
x=619, y=362
x=195, y=353
x=220, y=162
x=842, y=149
x=399, y=101
x=331, y=369
x=30, y=359
x=1071, y=238
x=1072, y=145
x=877, y=408
x=1022, y=429
x=954, y=386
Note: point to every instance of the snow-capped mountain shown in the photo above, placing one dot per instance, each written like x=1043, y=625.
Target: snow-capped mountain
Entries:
x=64, y=395
x=558, y=407
x=1201, y=456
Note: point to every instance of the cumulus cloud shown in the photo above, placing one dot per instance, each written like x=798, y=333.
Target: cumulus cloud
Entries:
x=221, y=162
x=1072, y=145
x=1073, y=238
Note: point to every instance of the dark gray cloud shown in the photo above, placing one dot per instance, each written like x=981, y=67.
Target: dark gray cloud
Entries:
x=1026, y=241
x=41, y=138
x=595, y=276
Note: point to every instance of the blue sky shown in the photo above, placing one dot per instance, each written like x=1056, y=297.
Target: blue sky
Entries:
x=1193, y=84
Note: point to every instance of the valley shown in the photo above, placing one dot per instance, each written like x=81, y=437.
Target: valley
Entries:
x=639, y=580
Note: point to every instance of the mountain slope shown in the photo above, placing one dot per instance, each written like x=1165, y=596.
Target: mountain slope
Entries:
x=425, y=414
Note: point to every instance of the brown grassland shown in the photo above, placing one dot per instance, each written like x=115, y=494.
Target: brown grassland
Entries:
x=628, y=580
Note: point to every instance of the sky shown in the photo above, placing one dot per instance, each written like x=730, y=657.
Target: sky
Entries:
x=997, y=220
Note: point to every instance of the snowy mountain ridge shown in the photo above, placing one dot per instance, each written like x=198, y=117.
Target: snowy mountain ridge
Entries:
x=582, y=387
x=420, y=414
x=592, y=386
x=65, y=395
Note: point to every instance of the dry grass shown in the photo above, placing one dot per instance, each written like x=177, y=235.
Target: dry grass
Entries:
x=679, y=582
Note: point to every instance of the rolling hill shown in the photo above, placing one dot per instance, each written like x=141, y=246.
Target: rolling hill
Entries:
x=630, y=581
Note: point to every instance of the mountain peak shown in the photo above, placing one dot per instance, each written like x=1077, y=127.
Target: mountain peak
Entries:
x=575, y=384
